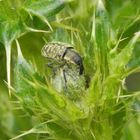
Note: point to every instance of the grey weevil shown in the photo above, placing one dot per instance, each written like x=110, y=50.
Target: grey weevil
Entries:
x=63, y=52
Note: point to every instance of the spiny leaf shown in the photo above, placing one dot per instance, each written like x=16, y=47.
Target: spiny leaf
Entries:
x=44, y=7
x=101, y=35
x=122, y=59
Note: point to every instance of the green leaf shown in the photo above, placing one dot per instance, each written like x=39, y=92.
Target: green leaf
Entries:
x=102, y=35
x=122, y=59
x=9, y=30
x=44, y=7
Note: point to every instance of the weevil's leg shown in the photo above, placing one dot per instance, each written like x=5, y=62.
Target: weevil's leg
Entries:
x=55, y=65
x=50, y=65
x=58, y=66
x=65, y=80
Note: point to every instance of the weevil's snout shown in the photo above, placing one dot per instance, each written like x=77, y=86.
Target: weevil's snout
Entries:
x=79, y=62
x=81, y=69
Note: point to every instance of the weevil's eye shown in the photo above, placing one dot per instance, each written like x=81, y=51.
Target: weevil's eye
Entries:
x=78, y=61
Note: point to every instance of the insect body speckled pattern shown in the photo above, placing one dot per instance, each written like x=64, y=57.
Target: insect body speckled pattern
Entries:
x=62, y=52
x=54, y=50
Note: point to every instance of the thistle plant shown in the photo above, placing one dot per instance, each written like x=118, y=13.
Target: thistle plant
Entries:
x=102, y=110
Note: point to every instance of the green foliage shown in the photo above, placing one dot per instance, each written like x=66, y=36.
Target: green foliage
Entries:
x=14, y=17
x=99, y=30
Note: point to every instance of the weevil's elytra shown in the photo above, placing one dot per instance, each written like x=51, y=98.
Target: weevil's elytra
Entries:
x=62, y=51
x=55, y=50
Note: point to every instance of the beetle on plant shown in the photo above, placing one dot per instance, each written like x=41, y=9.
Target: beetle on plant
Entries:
x=62, y=53
x=66, y=64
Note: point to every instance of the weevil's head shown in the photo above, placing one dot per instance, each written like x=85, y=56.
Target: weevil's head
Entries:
x=75, y=58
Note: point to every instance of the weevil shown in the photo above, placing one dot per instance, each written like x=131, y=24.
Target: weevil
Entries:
x=67, y=63
x=63, y=53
